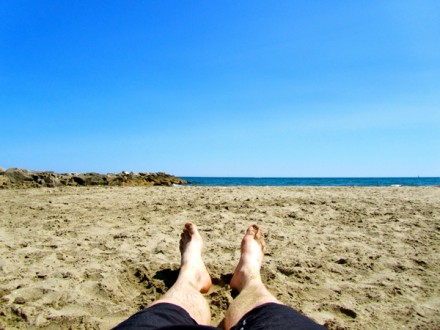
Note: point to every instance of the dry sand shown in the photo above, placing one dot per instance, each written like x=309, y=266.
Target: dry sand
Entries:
x=349, y=258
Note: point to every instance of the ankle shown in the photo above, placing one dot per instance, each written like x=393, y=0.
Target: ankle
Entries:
x=243, y=279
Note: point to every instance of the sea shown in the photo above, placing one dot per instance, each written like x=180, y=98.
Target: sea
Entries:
x=314, y=182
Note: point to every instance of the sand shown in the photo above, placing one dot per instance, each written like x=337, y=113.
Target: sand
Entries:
x=349, y=258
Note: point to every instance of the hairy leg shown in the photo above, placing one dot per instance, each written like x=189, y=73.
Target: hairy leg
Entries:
x=193, y=278
x=247, y=279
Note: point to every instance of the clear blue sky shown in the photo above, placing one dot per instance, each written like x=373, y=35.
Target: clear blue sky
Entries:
x=221, y=88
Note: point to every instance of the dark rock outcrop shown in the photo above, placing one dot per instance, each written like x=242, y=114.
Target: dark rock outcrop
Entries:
x=21, y=178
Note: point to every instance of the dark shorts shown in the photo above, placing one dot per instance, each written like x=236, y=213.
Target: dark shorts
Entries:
x=268, y=316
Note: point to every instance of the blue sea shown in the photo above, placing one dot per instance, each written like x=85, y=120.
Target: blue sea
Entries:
x=318, y=182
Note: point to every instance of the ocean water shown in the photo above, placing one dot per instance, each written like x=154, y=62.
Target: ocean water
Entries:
x=332, y=182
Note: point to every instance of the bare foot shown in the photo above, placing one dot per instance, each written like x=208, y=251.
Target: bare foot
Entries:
x=252, y=251
x=192, y=266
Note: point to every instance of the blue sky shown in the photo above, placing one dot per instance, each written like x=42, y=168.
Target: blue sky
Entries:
x=221, y=88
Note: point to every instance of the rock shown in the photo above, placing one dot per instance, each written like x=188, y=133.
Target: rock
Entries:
x=46, y=179
x=94, y=179
x=78, y=180
x=16, y=175
x=20, y=178
x=4, y=181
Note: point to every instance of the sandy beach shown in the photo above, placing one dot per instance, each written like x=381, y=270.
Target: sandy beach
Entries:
x=349, y=257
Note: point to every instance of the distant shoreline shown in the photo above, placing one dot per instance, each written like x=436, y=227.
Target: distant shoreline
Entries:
x=22, y=178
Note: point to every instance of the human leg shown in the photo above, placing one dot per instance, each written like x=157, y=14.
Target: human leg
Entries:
x=255, y=307
x=193, y=280
x=247, y=279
